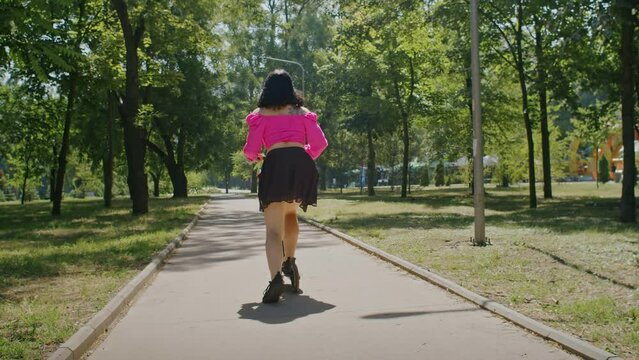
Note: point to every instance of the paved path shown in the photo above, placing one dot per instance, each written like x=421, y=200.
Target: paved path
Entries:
x=205, y=304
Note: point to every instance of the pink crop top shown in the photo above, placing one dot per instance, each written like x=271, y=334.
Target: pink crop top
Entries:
x=271, y=129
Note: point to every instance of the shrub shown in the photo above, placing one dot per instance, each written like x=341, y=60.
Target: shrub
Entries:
x=10, y=196
x=439, y=174
x=77, y=193
x=604, y=170
x=31, y=194
x=425, y=177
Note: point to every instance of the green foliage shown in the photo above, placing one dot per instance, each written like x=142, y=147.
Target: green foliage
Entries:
x=29, y=121
x=241, y=167
x=197, y=181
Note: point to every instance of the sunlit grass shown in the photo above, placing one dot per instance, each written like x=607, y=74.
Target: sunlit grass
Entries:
x=523, y=267
x=56, y=272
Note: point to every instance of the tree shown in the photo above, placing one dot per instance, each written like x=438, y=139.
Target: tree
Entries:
x=366, y=112
x=406, y=50
x=178, y=87
x=627, y=20
x=27, y=121
x=543, y=106
x=80, y=28
x=134, y=134
x=512, y=33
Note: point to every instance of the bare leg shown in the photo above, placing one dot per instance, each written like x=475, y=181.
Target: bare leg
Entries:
x=291, y=230
x=274, y=220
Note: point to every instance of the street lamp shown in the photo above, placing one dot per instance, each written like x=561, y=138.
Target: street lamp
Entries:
x=478, y=146
x=290, y=62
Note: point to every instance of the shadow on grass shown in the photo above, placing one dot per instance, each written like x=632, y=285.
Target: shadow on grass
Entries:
x=573, y=215
x=561, y=215
x=406, y=220
x=34, y=220
x=497, y=200
x=47, y=246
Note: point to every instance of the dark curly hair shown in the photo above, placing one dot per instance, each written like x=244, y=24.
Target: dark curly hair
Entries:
x=278, y=91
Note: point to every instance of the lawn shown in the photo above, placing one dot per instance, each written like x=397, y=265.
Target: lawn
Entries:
x=56, y=272
x=569, y=263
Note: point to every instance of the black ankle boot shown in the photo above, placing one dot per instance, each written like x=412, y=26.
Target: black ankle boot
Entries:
x=290, y=270
x=274, y=290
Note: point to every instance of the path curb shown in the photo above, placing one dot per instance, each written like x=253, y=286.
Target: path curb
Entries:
x=78, y=343
x=567, y=341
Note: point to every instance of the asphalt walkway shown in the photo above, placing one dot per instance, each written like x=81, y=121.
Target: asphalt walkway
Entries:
x=205, y=304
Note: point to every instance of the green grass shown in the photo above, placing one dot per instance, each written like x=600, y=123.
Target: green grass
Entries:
x=568, y=263
x=56, y=272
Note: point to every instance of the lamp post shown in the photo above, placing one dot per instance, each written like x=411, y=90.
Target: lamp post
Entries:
x=478, y=146
x=290, y=62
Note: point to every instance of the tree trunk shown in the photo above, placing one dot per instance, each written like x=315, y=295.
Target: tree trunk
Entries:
x=597, y=165
x=405, y=110
x=107, y=172
x=253, y=181
x=178, y=180
x=176, y=172
x=627, y=54
x=405, y=155
x=64, y=148
x=134, y=136
x=543, y=110
x=156, y=184
x=524, y=99
x=470, y=155
x=371, y=164
x=322, y=172
x=180, y=189
x=286, y=27
x=505, y=182
x=51, y=183
x=52, y=173
x=409, y=178
x=26, y=178
x=227, y=179
x=273, y=23
x=361, y=179
x=134, y=139
x=393, y=160
x=107, y=162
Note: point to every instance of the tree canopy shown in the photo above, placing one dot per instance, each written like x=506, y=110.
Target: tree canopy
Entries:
x=104, y=84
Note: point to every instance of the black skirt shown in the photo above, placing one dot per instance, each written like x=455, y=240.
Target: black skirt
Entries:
x=288, y=174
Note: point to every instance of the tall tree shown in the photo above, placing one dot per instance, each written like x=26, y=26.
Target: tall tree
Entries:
x=543, y=106
x=406, y=51
x=627, y=22
x=80, y=29
x=512, y=34
x=134, y=134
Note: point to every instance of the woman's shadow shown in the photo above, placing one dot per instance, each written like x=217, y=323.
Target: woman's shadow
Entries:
x=290, y=307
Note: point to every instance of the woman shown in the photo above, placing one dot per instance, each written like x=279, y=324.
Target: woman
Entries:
x=289, y=178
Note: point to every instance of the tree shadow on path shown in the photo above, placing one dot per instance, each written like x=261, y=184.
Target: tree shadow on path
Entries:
x=289, y=308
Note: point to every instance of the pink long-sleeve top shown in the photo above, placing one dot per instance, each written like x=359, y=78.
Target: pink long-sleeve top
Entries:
x=271, y=129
